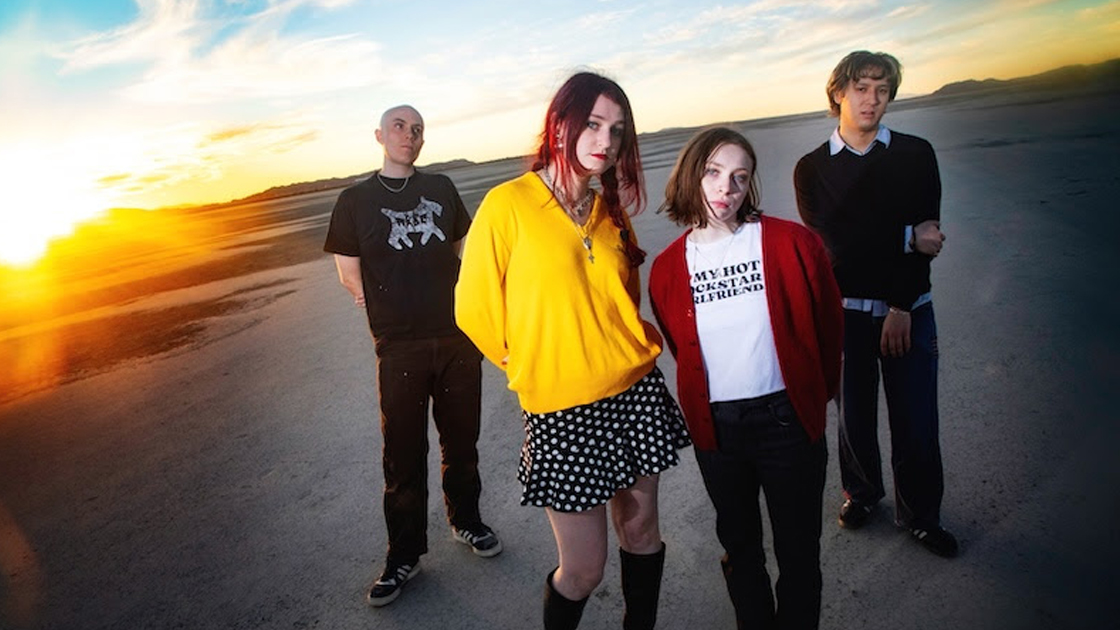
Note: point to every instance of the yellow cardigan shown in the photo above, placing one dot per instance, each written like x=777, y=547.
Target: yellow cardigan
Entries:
x=566, y=330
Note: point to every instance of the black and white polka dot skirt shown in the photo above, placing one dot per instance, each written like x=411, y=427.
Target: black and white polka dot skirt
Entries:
x=575, y=459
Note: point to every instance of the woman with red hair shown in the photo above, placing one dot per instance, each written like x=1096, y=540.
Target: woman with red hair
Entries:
x=549, y=291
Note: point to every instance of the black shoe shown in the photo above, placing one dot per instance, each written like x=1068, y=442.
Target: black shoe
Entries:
x=388, y=586
x=480, y=538
x=854, y=515
x=936, y=540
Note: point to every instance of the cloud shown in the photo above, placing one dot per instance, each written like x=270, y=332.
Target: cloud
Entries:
x=795, y=35
x=516, y=63
x=230, y=133
x=1022, y=5
x=672, y=35
x=287, y=6
x=1109, y=11
x=195, y=59
x=112, y=180
x=260, y=68
x=769, y=29
x=281, y=134
x=952, y=28
x=287, y=141
x=603, y=20
x=165, y=30
x=151, y=178
x=195, y=152
x=135, y=183
x=245, y=64
x=908, y=12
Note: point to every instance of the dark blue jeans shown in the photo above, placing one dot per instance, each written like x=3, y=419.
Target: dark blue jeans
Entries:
x=763, y=445
x=448, y=372
x=910, y=385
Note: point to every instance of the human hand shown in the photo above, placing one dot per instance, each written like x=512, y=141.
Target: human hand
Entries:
x=360, y=300
x=895, y=340
x=928, y=238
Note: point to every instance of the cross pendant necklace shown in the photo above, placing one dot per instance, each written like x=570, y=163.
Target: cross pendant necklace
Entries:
x=583, y=231
x=585, y=237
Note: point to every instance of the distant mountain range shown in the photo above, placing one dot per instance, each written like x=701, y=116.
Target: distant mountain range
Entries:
x=289, y=190
x=1104, y=76
x=1100, y=76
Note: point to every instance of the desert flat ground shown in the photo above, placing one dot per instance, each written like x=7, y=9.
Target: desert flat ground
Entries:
x=217, y=464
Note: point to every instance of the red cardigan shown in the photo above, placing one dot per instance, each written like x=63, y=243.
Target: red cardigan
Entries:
x=805, y=313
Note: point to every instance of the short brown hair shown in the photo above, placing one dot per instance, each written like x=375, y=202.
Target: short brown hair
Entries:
x=684, y=198
x=857, y=65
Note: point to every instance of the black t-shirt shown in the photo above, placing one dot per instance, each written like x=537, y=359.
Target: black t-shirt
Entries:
x=404, y=240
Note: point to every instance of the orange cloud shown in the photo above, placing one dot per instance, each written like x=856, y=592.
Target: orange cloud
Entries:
x=112, y=180
x=232, y=132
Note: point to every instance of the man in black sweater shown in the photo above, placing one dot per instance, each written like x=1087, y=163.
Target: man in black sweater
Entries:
x=874, y=197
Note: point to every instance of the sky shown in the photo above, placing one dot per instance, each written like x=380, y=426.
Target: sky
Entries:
x=155, y=103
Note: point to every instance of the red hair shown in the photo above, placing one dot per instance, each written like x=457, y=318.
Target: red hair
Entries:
x=622, y=185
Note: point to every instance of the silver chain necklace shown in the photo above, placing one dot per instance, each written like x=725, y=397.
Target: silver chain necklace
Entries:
x=582, y=231
x=390, y=188
x=696, y=249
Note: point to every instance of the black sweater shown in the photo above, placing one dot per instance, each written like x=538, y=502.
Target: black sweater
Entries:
x=860, y=206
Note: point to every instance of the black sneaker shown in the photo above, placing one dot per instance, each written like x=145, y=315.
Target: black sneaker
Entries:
x=936, y=540
x=854, y=515
x=388, y=586
x=479, y=538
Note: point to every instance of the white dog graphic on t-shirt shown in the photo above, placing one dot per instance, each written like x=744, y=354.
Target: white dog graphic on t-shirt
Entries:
x=420, y=220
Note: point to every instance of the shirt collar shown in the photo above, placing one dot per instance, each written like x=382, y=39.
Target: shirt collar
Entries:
x=836, y=143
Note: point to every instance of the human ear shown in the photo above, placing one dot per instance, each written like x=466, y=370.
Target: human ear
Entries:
x=557, y=136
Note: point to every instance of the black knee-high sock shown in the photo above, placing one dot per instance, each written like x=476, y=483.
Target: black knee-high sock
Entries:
x=560, y=613
x=641, y=587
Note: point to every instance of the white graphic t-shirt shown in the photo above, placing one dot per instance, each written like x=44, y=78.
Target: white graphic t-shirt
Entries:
x=732, y=317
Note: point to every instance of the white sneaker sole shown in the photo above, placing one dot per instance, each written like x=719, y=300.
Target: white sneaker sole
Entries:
x=482, y=553
x=378, y=602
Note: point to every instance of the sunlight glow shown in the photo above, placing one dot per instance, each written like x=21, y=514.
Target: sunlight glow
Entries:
x=186, y=102
x=47, y=195
x=56, y=319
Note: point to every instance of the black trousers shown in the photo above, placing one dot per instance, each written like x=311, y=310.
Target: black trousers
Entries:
x=763, y=445
x=447, y=371
x=910, y=386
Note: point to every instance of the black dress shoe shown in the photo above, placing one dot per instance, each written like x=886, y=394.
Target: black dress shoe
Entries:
x=854, y=515
x=936, y=540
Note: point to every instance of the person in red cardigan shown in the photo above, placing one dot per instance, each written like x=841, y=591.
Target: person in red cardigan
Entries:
x=750, y=309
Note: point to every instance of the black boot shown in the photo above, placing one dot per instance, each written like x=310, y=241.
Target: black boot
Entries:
x=641, y=588
x=560, y=613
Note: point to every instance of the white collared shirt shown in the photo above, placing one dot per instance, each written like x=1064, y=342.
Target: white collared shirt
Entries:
x=836, y=144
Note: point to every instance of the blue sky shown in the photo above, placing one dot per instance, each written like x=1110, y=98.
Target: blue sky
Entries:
x=160, y=102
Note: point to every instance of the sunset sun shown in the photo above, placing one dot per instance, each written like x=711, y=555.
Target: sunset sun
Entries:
x=48, y=196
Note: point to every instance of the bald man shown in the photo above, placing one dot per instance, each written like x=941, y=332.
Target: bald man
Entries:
x=396, y=238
